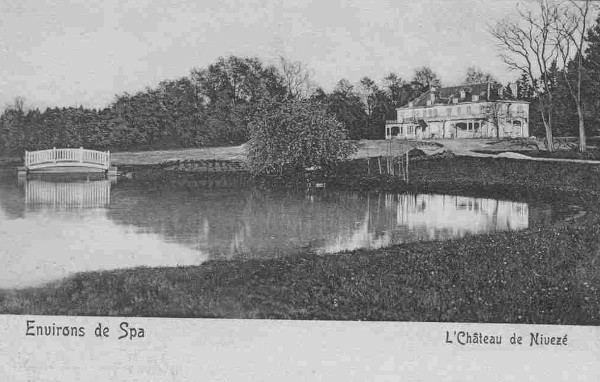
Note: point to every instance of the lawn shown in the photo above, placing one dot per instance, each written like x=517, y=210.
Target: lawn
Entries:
x=548, y=275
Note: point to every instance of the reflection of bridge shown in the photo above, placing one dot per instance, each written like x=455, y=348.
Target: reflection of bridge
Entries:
x=95, y=193
x=67, y=160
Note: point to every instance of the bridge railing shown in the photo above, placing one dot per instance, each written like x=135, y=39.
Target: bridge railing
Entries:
x=55, y=155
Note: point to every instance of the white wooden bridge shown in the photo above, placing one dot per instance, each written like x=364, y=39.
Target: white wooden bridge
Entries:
x=67, y=160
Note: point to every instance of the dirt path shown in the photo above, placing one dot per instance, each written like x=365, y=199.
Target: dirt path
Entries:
x=366, y=148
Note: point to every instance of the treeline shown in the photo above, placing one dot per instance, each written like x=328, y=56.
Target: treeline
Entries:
x=211, y=106
x=214, y=106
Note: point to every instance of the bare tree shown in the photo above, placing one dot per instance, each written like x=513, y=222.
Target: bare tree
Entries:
x=496, y=113
x=18, y=104
x=297, y=78
x=571, y=28
x=366, y=90
x=475, y=75
x=529, y=46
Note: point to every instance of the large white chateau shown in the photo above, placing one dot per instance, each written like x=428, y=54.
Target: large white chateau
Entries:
x=466, y=111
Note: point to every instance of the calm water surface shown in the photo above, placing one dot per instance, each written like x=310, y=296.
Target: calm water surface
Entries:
x=53, y=227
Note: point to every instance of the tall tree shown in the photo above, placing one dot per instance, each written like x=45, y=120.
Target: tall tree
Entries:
x=424, y=78
x=571, y=27
x=398, y=91
x=297, y=78
x=345, y=103
x=591, y=85
x=529, y=46
x=475, y=75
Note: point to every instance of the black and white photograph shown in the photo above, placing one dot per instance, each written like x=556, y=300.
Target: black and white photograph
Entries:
x=341, y=161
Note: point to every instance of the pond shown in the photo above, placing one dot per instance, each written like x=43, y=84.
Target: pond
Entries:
x=52, y=227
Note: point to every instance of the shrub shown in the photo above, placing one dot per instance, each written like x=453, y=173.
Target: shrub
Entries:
x=297, y=135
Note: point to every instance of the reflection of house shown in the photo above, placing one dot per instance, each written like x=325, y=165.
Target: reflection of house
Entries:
x=466, y=111
x=460, y=215
x=407, y=217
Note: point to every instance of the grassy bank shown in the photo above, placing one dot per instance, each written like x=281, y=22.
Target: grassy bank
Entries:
x=549, y=275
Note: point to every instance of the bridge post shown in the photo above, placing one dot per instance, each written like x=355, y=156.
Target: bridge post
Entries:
x=54, y=154
x=81, y=155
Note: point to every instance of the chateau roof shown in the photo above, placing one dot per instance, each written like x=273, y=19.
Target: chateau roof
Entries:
x=444, y=95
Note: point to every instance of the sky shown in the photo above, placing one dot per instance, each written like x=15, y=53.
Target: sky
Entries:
x=72, y=53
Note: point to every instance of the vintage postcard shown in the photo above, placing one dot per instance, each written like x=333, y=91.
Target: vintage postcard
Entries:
x=267, y=190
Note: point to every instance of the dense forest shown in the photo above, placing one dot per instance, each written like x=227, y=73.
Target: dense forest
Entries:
x=213, y=106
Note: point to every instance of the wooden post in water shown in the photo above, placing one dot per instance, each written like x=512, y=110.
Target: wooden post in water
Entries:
x=368, y=161
x=379, y=163
x=407, y=167
x=390, y=160
x=399, y=165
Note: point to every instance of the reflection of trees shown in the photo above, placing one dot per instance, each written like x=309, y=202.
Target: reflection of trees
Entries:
x=227, y=220
x=227, y=217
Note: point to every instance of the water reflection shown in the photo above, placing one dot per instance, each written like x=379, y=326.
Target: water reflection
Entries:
x=63, y=228
x=430, y=217
x=50, y=227
x=60, y=195
x=228, y=221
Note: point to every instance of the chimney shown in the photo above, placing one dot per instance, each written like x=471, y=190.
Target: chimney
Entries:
x=462, y=94
x=514, y=90
x=488, y=91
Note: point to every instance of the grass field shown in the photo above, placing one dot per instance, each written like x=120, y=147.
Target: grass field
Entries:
x=549, y=275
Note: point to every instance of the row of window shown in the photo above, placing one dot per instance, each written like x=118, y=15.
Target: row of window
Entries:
x=457, y=111
x=468, y=126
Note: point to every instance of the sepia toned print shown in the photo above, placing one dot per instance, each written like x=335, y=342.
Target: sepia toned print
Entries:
x=264, y=161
